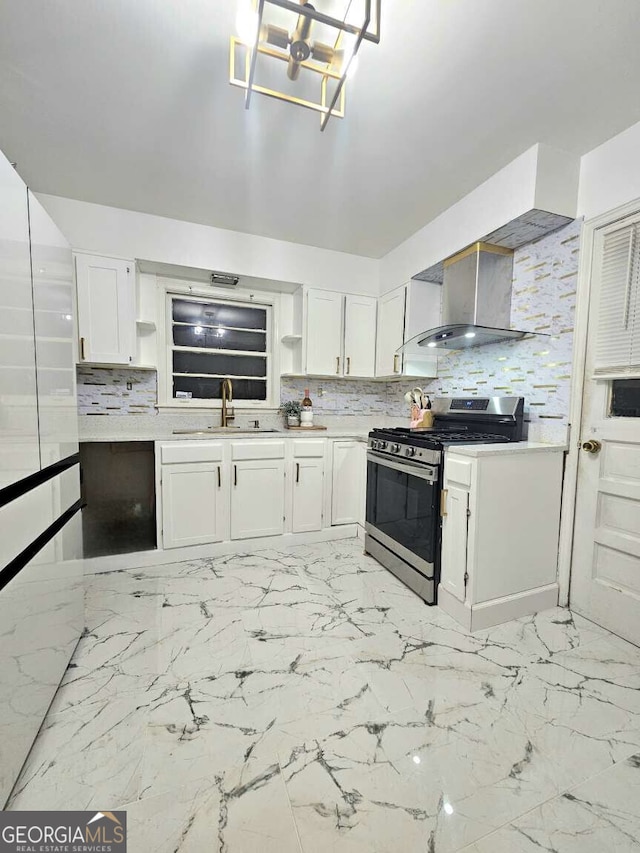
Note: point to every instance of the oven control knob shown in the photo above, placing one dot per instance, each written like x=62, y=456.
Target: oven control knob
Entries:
x=395, y=448
x=410, y=451
x=382, y=445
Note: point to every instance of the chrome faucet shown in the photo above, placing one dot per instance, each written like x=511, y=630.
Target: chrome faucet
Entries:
x=226, y=390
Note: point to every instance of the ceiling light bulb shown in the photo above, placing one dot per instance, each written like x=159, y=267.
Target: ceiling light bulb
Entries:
x=469, y=334
x=416, y=759
x=448, y=808
x=432, y=344
x=247, y=23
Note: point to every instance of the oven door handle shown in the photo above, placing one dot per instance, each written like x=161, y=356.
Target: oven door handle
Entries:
x=424, y=472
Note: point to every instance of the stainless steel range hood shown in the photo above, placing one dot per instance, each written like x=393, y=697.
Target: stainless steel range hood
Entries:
x=476, y=300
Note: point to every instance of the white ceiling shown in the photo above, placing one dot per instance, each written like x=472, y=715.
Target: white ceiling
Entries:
x=127, y=103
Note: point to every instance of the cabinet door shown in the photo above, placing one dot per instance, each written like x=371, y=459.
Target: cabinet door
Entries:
x=347, y=482
x=360, y=336
x=454, y=541
x=324, y=332
x=53, y=305
x=257, y=498
x=192, y=504
x=106, y=309
x=19, y=447
x=307, y=503
x=390, y=333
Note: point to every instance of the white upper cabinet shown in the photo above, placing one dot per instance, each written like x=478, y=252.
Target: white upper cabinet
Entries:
x=390, y=332
x=402, y=314
x=53, y=305
x=19, y=445
x=359, y=336
x=106, y=310
x=340, y=334
x=324, y=332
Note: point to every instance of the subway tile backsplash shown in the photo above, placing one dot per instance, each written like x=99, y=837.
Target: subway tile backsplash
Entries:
x=538, y=368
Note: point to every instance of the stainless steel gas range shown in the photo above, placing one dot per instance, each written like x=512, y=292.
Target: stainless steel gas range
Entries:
x=404, y=482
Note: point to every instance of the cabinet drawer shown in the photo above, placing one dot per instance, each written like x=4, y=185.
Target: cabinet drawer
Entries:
x=458, y=471
x=257, y=450
x=306, y=448
x=190, y=451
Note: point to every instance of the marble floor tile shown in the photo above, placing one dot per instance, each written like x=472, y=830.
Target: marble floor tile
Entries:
x=302, y=699
x=600, y=815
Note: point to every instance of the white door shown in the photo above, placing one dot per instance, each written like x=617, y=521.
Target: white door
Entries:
x=605, y=570
x=307, y=494
x=347, y=482
x=360, y=336
x=106, y=310
x=257, y=498
x=455, y=522
x=324, y=332
x=193, y=501
x=390, y=336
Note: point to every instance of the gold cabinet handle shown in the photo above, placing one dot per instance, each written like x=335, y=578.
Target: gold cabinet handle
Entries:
x=395, y=363
x=337, y=364
x=82, y=349
x=348, y=365
x=219, y=478
x=443, y=502
x=592, y=446
x=297, y=472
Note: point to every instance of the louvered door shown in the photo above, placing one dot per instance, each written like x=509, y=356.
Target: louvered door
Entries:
x=617, y=279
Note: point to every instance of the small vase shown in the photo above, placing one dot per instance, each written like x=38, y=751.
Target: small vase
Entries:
x=293, y=421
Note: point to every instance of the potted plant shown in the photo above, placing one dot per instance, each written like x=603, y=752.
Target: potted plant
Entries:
x=292, y=409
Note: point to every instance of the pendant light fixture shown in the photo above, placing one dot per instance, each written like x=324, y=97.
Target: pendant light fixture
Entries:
x=316, y=43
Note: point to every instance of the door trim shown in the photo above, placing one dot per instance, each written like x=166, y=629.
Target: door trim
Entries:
x=583, y=300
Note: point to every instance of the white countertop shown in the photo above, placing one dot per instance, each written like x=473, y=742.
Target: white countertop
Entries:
x=479, y=450
x=161, y=428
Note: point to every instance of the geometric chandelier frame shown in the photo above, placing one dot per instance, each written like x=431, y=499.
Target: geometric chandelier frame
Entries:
x=330, y=63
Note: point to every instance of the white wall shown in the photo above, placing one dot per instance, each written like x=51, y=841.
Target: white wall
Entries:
x=610, y=174
x=542, y=177
x=124, y=233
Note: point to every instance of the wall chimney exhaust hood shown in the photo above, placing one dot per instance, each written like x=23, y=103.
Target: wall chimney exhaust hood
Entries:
x=476, y=301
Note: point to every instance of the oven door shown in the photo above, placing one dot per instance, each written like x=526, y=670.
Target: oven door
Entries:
x=402, y=509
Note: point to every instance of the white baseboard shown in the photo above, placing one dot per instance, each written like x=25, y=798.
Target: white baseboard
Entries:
x=159, y=557
x=499, y=610
x=457, y=609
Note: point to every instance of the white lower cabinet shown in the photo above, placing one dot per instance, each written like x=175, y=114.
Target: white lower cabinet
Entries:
x=257, y=498
x=212, y=492
x=348, y=482
x=500, y=525
x=307, y=499
x=455, y=525
x=194, y=495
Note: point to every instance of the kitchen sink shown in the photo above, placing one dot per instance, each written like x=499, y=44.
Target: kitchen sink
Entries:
x=224, y=431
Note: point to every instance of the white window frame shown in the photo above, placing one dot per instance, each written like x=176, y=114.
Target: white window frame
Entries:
x=168, y=288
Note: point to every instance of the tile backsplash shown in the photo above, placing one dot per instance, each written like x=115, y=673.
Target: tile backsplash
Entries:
x=105, y=391
x=537, y=368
